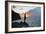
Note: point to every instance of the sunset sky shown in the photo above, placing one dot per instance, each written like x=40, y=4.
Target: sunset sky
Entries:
x=23, y=9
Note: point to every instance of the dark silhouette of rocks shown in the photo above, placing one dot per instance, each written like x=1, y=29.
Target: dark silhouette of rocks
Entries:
x=24, y=24
x=15, y=16
x=18, y=25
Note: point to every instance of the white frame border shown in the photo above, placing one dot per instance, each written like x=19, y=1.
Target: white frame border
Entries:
x=23, y=29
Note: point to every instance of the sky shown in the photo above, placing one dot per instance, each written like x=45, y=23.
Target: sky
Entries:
x=22, y=9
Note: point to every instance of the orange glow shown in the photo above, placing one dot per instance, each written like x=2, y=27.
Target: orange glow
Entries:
x=27, y=14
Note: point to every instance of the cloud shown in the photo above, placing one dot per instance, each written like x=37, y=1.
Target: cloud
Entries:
x=23, y=9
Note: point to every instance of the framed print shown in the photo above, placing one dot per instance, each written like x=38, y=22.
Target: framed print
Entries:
x=24, y=16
